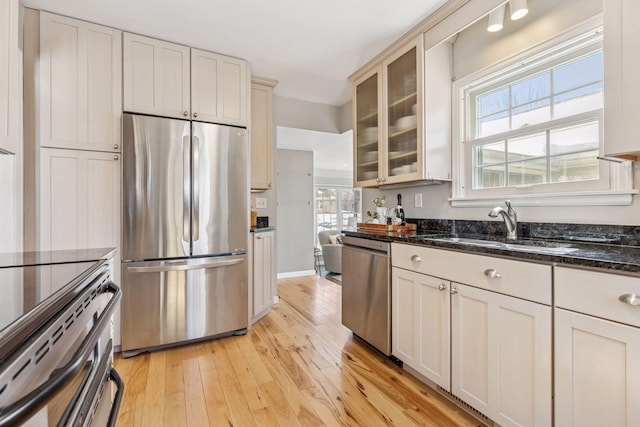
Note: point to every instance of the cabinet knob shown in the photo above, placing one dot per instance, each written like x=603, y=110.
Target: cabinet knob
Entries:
x=195, y=115
x=416, y=258
x=115, y=157
x=186, y=113
x=258, y=237
x=377, y=179
x=116, y=146
x=454, y=290
x=490, y=272
x=270, y=185
x=631, y=299
x=383, y=179
x=442, y=286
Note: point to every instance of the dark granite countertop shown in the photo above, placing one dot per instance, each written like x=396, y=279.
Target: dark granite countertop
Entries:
x=261, y=229
x=22, y=259
x=585, y=254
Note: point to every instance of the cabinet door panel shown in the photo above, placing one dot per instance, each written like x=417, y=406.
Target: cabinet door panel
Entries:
x=104, y=89
x=9, y=76
x=501, y=356
x=80, y=84
x=204, y=85
x=59, y=43
x=234, y=91
x=261, y=138
x=597, y=378
x=156, y=77
x=103, y=200
x=61, y=217
x=263, y=271
x=404, y=335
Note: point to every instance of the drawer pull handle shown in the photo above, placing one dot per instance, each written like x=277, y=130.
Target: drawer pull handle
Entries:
x=442, y=286
x=416, y=258
x=631, y=299
x=490, y=272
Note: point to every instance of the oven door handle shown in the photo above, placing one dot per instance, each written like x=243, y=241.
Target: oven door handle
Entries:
x=184, y=266
x=115, y=407
x=17, y=411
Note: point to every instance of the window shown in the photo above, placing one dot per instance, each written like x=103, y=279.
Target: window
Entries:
x=337, y=208
x=534, y=124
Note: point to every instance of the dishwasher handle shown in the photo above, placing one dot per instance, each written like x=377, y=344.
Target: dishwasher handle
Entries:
x=365, y=250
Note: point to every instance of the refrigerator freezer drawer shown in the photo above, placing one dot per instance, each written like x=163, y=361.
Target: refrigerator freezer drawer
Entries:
x=167, y=302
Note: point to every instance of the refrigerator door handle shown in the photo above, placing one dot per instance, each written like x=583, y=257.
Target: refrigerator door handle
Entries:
x=184, y=266
x=186, y=190
x=196, y=187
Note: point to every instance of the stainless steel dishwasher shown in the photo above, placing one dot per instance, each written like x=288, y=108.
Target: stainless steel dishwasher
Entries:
x=366, y=290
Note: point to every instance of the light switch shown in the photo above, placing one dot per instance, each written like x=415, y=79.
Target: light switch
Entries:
x=418, y=200
x=261, y=203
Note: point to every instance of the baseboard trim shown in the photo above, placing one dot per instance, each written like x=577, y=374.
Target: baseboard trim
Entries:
x=290, y=274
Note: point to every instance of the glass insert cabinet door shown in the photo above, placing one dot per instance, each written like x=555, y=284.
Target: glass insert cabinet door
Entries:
x=367, y=121
x=402, y=99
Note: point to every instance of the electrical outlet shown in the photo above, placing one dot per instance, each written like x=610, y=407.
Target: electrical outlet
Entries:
x=418, y=200
x=261, y=203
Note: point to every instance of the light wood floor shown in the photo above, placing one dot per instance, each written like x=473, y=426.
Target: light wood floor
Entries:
x=298, y=366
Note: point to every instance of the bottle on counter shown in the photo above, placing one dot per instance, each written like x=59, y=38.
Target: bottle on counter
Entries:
x=399, y=211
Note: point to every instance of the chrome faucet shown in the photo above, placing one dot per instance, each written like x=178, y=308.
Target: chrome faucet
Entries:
x=510, y=219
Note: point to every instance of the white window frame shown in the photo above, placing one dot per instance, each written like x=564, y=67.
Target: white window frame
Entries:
x=614, y=187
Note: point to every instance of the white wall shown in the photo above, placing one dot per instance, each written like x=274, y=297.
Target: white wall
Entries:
x=295, y=213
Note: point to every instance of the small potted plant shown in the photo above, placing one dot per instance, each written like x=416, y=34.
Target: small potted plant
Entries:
x=380, y=212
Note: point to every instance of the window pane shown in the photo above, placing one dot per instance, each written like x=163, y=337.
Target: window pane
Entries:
x=527, y=147
x=528, y=172
x=586, y=98
x=493, y=124
x=581, y=72
x=531, y=89
x=488, y=154
x=489, y=177
x=580, y=137
x=531, y=114
x=493, y=102
x=575, y=167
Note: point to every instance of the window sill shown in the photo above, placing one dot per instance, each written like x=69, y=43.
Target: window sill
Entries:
x=591, y=198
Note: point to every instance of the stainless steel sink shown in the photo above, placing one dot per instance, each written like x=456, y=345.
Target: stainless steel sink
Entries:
x=533, y=246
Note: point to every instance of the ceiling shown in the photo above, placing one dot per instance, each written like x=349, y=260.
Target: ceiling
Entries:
x=311, y=48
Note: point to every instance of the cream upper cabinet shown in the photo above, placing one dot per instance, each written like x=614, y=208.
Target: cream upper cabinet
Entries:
x=156, y=77
x=402, y=120
x=621, y=83
x=597, y=348
x=264, y=273
x=261, y=132
x=80, y=84
x=171, y=80
x=9, y=76
x=218, y=88
x=79, y=199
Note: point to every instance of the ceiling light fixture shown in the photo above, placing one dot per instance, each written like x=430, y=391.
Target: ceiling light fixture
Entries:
x=518, y=8
x=495, y=20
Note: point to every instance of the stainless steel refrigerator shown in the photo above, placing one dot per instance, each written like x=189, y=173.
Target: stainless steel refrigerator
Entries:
x=185, y=231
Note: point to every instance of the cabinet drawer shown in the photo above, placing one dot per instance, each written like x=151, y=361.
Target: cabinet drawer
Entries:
x=597, y=294
x=517, y=278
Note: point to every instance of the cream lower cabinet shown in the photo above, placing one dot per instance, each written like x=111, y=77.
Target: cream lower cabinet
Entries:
x=80, y=84
x=597, y=349
x=264, y=273
x=421, y=331
x=501, y=356
x=500, y=344
x=79, y=199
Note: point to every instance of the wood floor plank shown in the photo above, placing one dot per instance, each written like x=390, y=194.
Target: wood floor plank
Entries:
x=297, y=366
